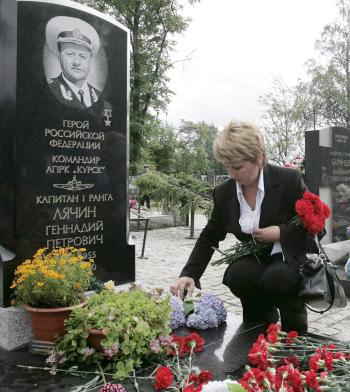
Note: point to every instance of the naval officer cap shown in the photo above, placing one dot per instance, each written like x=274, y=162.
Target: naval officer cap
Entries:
x=63, y=29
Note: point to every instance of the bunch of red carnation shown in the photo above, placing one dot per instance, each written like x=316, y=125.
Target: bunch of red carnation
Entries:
x=312, y=212
x=294, y=363
x=165, y=378
x=178, y=373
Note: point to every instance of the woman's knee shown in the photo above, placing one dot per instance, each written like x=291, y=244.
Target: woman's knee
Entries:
x=280, y=280
x=243, y=276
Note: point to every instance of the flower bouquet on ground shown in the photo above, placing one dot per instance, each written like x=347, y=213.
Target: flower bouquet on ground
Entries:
x=311, y=212
x=283, y=361
x=177, y=372
x=119, y=330
x=204, y=311
x=52, y=279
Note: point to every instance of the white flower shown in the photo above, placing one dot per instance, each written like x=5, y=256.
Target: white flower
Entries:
x=218, y=386
x=109, y=285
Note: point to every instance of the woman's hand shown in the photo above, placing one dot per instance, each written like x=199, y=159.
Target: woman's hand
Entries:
x=267, y=234
x=181, y=284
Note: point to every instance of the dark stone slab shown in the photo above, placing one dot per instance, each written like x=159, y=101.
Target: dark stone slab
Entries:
x=327, y=168
x=63, y=164
x=225, y=354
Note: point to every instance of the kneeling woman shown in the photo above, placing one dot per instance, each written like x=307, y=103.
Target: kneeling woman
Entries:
x=256, y=202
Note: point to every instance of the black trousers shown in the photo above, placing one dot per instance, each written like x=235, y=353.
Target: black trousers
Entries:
x=263, y=287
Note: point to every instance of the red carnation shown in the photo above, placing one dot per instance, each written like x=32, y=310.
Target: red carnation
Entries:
x=273, y=328
x=205, y=376
x=163, y=378
x=291, y=360
x=179, y=341
x=190, y=388
x=193, y=340
x=291, y=337
x=311, y=379
x=312, y=212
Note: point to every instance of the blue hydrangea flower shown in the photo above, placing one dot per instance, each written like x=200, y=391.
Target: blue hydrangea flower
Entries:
x=216, y=304
x=208, y=315
x=196, y=321
x=178, y=315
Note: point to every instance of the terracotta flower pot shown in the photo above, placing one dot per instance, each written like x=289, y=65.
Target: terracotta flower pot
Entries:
x=47, y=323
x=95, y=337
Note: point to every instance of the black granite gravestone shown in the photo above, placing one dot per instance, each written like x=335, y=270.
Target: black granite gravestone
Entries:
x=327, y=173
x=64, y=135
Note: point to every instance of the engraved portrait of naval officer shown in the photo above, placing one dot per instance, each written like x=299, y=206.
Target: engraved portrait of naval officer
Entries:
x=75, y=44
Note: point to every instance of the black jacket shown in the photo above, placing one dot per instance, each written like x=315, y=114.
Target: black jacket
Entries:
x=283, y=187
x=65, y=94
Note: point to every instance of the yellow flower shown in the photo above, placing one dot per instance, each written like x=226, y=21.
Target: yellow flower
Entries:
x=40, y=252
x=85, y=265
x=52, y=277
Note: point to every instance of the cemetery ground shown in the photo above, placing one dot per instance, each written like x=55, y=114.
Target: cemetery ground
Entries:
x=166, y=252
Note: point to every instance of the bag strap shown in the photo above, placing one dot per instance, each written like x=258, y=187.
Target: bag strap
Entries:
x=327, y=264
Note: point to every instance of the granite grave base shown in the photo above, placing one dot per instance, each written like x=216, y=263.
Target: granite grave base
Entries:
x=225, y=354
x=15, y=328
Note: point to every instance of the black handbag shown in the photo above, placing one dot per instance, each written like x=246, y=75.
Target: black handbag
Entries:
x=320, y=287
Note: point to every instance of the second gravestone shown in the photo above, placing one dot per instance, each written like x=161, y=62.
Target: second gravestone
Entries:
x=327, y=169
x=65, y=135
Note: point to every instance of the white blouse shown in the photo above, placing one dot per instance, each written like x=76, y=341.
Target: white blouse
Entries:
x=249, y=218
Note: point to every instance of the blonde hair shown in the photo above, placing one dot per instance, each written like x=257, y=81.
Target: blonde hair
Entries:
x=240, y=140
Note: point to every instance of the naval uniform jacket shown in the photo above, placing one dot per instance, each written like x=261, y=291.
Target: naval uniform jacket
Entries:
x=283, y=187
x=66, y=95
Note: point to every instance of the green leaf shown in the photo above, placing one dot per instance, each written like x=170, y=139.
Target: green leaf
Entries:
x=188, y=307
x=235, y=388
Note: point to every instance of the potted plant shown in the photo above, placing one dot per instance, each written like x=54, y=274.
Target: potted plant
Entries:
x=119, y=330
x=49, y=285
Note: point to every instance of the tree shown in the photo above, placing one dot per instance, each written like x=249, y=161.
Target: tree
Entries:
x=161, y=149
x=194, y=150
x=310, y=105
x=323, y=100
x=331, y=70
x=153, y=25
x=284, y=120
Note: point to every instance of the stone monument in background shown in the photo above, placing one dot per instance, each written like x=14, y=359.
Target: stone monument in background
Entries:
x=327, y=173
x=64, y=72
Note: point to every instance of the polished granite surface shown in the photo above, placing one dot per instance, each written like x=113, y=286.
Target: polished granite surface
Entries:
x=225, y=355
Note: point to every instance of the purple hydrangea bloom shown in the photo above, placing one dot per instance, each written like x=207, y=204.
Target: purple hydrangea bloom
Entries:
x=208, y=315
x=216, y=304
x=194, y=320
x=178, y=315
